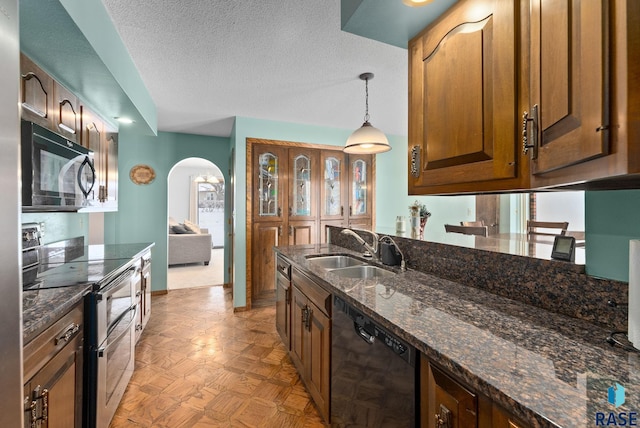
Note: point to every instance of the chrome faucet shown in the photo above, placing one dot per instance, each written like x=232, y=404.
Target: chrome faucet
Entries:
x=372, y=249
x=403, y=264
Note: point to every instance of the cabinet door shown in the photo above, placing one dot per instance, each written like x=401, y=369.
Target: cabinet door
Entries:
x=446, y=403
x=109, y=194
x=333, y=186
x=503, y=419
x=66, y=113
x=463, y=103
x=270, y=168
x=91, y=137
x=59, y=385
x=265, y=236
x=298, y=329
x=360, y=191
x=318, y=344
x=569, y=78
x=36, y=93
x=283, y=309
x=302, y=215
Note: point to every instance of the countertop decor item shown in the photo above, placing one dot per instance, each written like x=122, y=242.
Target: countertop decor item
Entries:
x=367, y=139
x=419, y=216
x=142, y=174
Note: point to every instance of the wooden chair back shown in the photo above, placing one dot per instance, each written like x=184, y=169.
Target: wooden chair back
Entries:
x=467, y=230
x=561, y=226
x=472, y=223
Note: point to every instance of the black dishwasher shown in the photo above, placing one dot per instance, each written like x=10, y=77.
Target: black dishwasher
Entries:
x=373, y=372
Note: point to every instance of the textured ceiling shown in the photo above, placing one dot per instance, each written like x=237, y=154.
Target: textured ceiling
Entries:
x=205, y=62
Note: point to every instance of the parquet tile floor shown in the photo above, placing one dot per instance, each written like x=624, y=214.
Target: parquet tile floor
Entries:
x=199, y=364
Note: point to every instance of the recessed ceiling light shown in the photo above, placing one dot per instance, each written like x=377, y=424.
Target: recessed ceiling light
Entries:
x=125, y=120
x=416, y=3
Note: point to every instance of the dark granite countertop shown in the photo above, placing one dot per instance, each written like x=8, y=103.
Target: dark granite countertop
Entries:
x=65, y=276
x=41, y=308
x=546, y=368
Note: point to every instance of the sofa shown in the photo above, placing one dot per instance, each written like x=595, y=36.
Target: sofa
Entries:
x=190, y=247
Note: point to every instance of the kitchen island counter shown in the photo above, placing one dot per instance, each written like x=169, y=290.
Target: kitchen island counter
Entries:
x=546, y=368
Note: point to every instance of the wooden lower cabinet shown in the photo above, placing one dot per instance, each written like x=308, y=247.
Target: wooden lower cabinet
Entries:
x=283, y=300
x=448, y=403
x=53, y=374
x=501, y=418
x=311, y=338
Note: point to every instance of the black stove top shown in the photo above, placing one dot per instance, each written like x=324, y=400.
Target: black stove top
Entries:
x=83, y=265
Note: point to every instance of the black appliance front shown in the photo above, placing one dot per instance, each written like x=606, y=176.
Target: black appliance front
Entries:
x=57, y=174
x=373, y=373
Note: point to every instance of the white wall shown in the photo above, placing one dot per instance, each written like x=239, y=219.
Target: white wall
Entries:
x=561, y=206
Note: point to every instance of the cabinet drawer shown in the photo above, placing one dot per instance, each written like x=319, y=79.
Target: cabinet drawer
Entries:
x=284, y=267
x=46, y=345
x=314, y=292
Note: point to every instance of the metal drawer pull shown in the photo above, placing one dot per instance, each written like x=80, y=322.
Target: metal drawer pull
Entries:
x=68, y=334
x=534, y=137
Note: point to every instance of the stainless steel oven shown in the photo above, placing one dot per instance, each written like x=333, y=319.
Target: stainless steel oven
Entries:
x=111, y=345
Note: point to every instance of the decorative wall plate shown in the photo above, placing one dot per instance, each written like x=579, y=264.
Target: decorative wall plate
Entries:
x=142, y=174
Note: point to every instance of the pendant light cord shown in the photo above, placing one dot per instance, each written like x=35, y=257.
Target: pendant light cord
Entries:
x=366, y=91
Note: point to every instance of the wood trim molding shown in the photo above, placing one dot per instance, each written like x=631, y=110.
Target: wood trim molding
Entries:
x=159, y=292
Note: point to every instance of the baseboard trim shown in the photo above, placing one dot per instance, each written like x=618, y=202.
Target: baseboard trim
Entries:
x=159, y=292
x=240, y=309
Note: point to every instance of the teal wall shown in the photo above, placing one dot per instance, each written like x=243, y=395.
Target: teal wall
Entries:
x=611, y=220
x=143, y=209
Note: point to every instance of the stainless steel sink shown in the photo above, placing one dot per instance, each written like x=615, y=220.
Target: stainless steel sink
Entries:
x=334, y=262
x=362, y=272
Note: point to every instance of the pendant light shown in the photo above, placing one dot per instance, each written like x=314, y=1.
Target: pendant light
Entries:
x=367, y=139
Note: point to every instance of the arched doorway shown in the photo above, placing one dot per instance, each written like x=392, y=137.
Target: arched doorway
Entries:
x=196, y=200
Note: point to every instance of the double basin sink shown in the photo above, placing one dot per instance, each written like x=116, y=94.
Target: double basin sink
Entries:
x=349, y=267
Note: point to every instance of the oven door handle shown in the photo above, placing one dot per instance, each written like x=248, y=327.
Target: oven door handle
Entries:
x=102, y=350
x=116, y=284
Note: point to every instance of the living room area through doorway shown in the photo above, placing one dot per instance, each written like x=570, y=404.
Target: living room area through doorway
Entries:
x=196, y=198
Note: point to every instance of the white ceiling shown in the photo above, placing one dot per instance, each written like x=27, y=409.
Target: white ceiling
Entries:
x=206, y=61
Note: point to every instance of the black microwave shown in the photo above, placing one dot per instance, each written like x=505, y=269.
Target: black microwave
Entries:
x=57, y=174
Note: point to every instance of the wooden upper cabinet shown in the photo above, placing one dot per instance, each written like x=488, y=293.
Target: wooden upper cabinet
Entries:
x=569, y=82
x=36, y=93
x=110, y=150
x=333, y=185
x=463, y=101
x=270, y=166
x=66, y=112
x=360, y=187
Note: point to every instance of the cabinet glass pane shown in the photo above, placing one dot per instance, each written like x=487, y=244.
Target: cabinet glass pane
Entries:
x=331, y=204
x=359, y=187
x=268, y=184
x=301, y=186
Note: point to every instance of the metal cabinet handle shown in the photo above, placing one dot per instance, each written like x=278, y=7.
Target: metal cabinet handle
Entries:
x=534, y=137
x=309, y=316
x=33, y=408
x=68, y=334
x=444, y=419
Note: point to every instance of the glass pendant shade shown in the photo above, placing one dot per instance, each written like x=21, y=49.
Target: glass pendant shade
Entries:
x=367, y=140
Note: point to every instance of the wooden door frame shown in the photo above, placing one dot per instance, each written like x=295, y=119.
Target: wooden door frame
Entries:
x=250, y=142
